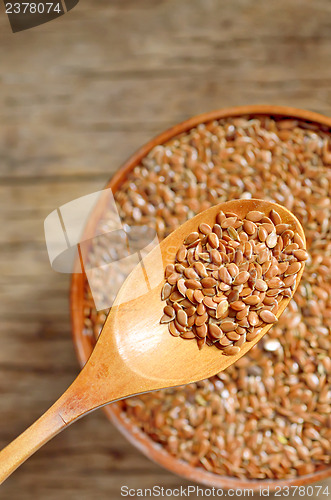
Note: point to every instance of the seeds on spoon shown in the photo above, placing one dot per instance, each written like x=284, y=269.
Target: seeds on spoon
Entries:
x=229, y=279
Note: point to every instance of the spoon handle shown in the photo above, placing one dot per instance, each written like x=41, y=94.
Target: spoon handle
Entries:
x=75, y=402
x=41, y=431
x=95, y=386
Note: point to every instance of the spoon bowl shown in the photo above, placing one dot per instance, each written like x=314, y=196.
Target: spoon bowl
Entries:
x=135, y=352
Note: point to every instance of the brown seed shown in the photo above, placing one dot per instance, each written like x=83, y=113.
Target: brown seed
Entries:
x=248, y=250
x=176, y=296
x=275, y=217
x=213, y=240
x=245, y=292
x=233, y=296
x=219, y=297
x=282, y=266
x=251, y=300
x=181, y=253
x=187, y=335
x=173, y=330
x=263, y=256
x=190, y=294
x=173, y=278
x=190, y=273
x=191, y=238
x=204, y=228
x=194, y=252
x=252, y=335
x=198, y=296
x=202, y=331
x=216, y=257
x=201, y=269
x=166, y=319
x=239, y=257
x=227, y=326
x=166, y=291
x=233, y=269
x=224, y=276
x=214, y=331
x=233, y=234
x=204, y=256
x=190, y=310
x=170, y=268
x=179, y=268
x=231, y=350
x=267, y=316
x=241, y=278
x=299, y=241
x=272, y=292
x=286, y=292
x=233, y=335
x=249, y=227
x=169, y=311
x=220, y=217
x=300, y=254
x=269, y=301
x=222, y=309
x=209, y=292
x=242, y=314
x=208, y=301
x=230, y=221
x=201, y=342
x=254, y=216
x=224, y=341
x=181, y=286
x=208, y=282
x=194, y=284
x=253, y=318
x=243, y=322
x=280, y=228
x=289, y=280
x=262, y=233
x=261, y=285
x=217, y=230
x=201, y=309
x=200, y=320
x=238, y=305
x=293, y=269
x=289, y=249
x=288, y=234
x=268, y=227
x=181, y=317
x=272, y=272
x=241, y=341
x=271, y=240
x=275, y=282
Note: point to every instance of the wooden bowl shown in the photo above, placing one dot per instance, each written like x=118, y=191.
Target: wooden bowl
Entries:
x=83, y=343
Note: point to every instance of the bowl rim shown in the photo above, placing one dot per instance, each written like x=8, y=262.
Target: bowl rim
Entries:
x=153, y=450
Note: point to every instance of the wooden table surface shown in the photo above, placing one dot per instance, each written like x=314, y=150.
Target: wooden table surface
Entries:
x=77, y=96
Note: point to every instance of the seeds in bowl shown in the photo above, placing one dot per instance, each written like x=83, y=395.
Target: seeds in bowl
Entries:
x=228, y=280
x=264, y=417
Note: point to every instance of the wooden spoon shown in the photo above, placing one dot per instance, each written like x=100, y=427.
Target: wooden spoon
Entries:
x=135, y=353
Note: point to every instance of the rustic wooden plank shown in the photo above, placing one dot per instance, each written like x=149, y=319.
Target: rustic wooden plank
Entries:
x=100, y=104
x=77, y=97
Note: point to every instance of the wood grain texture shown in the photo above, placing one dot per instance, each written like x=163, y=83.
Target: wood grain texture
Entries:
x=77, y=97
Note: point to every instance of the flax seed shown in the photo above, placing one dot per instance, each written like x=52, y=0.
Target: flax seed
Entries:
x=254, y=216
x=300, y=254
x=204, y=228
x=267, y=316
x=214, y=331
